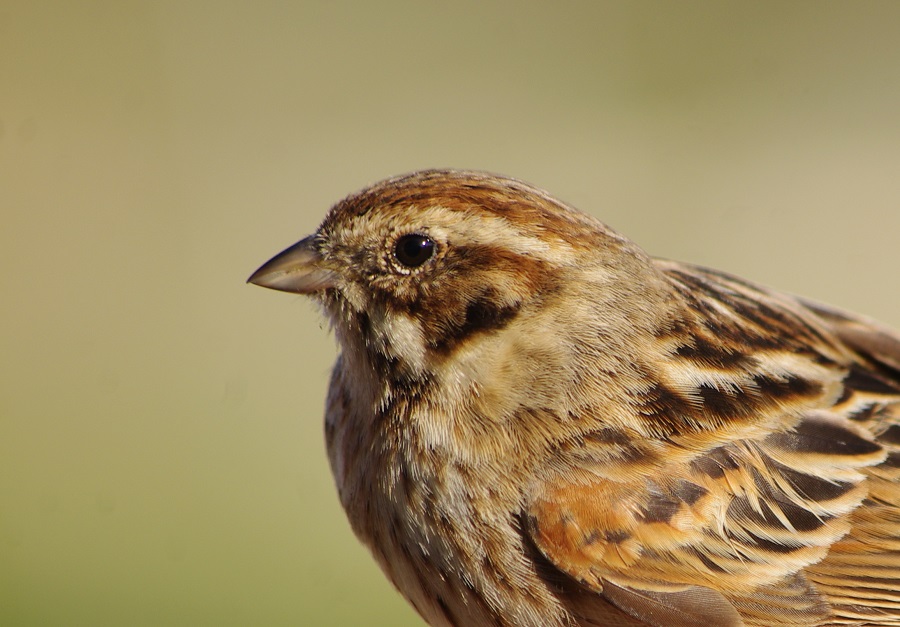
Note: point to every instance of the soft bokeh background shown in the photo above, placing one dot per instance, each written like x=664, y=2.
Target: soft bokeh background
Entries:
x=161, y=459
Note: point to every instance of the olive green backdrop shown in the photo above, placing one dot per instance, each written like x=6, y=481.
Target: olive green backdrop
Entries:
x=161, y=459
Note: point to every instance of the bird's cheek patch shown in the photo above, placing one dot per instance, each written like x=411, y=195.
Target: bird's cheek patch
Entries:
x=402, y=338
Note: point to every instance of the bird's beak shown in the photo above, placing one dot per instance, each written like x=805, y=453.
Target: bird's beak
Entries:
x=297, y=269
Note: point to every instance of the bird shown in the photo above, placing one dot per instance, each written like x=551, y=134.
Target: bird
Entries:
x=533, y=422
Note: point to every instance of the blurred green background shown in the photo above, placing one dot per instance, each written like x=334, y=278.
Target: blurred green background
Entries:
x=161, y=460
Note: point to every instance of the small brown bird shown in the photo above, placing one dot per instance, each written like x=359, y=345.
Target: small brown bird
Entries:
x=533, y=423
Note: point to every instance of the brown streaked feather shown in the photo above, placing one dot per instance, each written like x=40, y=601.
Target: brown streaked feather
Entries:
x=870, y=339
x=818, y=495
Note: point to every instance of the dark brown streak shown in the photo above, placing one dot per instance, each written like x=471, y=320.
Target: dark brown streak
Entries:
x=694, y=284
x=481, y=316
x=801, y=519
x=769, y=329
x=452, y=314
x=665, y=407
x=891, y=435
x=709, y=354
x=822, y=438
x=616, y=536
x=769, y=545
x=660, y=508
x=408, y=393
x=787, y=388
x=609, y=435
x=763, y=314
x=865, y=380
x=688, y=492
x=706, y=561
x=715, y=463
x=728, y=406
x=811, y=487
x=865, y=412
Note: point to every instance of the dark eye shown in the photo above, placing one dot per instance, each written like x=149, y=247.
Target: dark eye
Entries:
x=413, y=250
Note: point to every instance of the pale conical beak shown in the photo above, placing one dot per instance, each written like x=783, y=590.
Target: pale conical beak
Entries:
x=297, y=269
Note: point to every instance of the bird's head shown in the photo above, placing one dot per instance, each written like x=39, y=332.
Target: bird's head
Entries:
x=446, y=266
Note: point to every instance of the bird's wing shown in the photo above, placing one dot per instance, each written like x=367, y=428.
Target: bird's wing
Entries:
x=779, y=503
x=860, y=576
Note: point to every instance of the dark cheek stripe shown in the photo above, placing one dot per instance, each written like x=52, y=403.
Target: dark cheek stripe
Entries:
x=481, y=316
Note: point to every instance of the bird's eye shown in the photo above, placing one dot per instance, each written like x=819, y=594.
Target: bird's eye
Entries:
x=413, y=250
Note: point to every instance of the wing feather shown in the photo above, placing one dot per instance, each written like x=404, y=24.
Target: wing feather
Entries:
x=778, y=502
